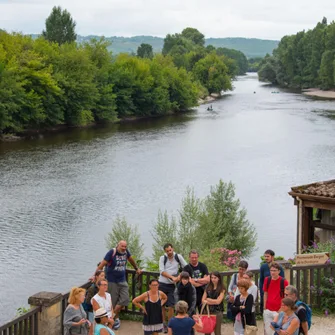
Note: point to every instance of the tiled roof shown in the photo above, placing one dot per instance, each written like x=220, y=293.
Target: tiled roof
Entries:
x=320, y=189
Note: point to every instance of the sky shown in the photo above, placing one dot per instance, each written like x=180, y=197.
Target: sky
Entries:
x=264, y=19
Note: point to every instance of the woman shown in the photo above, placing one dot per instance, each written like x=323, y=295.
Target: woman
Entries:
x=102, y=326
x=152, y=308
x=242, y=308
x=213, y=297
x=182, y=324
x=103, y=300
x=286, y=322
x=186, y=291
x=253, y=289
x=75, y=319
x=91, y=292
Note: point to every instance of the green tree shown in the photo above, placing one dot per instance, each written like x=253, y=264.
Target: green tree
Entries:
x=215, y=221
x=122, y=230
x=238, y=57
x=327, y=70
x=164, y=231
x=213, y=73
x=60, y=27
x=224, y=223
x=194, y=35
x=145, y=51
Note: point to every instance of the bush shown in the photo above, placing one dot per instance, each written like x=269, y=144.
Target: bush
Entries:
x=327, y=293
x=221, y=259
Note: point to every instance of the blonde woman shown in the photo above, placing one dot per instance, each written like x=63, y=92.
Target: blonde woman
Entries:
x=75, y=318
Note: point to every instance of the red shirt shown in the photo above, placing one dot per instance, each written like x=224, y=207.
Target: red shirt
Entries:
x=273, y=302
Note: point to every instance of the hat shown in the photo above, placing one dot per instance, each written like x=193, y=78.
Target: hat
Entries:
x=100, y=313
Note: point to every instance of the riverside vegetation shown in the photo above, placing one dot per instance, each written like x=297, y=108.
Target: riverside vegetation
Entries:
x=204, y=224
x=303, y=60
x=52, y=80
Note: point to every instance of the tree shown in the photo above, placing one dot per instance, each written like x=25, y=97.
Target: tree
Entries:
x=215, y=221
x=122, y=230
x=145, y=51
x=194, y=35
x=60, y=27
x=223, y=223
x=213, y=73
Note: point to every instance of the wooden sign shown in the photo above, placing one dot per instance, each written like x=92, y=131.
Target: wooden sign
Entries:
x=312, y=259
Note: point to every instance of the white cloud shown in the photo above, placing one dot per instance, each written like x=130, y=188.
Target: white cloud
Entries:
x=215, y=18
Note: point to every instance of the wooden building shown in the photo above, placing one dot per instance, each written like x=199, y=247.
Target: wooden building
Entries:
x=316, y=212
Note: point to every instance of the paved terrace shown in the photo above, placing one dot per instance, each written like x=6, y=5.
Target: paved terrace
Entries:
x=320, y=326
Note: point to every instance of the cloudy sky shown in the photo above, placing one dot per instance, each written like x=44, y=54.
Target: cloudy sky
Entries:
x=215, y=18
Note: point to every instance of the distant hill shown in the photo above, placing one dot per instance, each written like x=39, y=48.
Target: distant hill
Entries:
x=251, y=47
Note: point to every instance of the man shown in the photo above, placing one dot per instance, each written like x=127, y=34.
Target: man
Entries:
x=269, y=257
x=274, y=290
x=292, y=292
x=115, y=262
x=199, y=275
x=169, y=265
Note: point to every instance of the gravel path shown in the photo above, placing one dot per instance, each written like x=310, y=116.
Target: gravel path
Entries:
x=320, y=326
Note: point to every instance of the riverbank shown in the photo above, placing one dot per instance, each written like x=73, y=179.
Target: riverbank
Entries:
x=39, y=133
x=316, y=92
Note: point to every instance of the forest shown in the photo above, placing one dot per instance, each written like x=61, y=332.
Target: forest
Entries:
x=54, y=80
x=303, y=60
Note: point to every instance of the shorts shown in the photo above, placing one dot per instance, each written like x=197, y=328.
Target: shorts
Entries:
x=119, y=293
x=168, y=289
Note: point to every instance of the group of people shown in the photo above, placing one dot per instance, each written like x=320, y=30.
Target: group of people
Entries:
x=174, y=300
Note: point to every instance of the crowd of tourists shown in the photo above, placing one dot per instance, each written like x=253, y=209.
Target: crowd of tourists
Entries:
x=177, y=300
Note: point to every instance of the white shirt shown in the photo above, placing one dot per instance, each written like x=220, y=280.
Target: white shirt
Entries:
x=171, y=267
x=105, y=303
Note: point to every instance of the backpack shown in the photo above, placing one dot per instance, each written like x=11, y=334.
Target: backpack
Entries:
x=111, y=260
x=282, y=285
x=176, y=258
x=301, y=304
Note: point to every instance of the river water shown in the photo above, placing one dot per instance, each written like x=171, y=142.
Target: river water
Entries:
x=59, y=194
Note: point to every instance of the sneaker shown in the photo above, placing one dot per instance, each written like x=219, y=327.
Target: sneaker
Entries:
x=165, y=329
x=117, y=324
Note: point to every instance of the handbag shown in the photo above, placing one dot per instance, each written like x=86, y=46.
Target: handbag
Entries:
x=249, y=330
x=208, y=321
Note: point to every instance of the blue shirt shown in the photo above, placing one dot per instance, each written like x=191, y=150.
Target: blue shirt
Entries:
x=116, y=267
x=265, y=272
x=99, y=326
x=181, y=326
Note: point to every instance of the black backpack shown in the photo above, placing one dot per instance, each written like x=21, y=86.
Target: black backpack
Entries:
x=176, y=258
x=282, y=285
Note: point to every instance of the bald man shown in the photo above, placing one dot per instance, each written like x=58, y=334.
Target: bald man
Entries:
x=115, y=262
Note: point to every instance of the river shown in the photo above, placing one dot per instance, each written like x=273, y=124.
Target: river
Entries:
x=59, y=194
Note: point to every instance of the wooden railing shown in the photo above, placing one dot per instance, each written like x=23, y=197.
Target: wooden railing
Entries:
x=26, y=324
x=307, y=280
